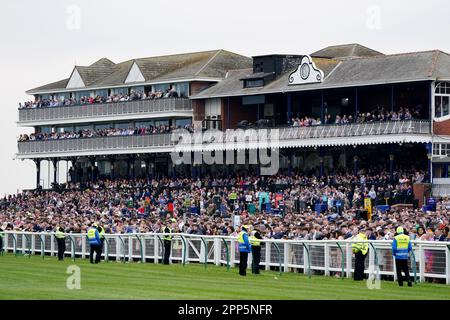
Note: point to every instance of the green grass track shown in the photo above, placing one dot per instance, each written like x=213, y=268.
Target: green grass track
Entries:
x=36, y=278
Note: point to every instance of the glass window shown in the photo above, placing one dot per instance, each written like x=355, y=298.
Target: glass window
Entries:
x=183, y=122
x=45, y=129
x=254, y=83
x=161, y=87
x=141, y=124
x=103, y=126
x=437, y=107
x=445, y=106
x=83, y=127
x=182, y=89
x=101, y=93
x=161, y=122
x=123, y=125
x=64, y=129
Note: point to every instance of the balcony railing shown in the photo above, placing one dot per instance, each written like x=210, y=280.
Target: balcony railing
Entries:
x=114, y=143
x=124, y=108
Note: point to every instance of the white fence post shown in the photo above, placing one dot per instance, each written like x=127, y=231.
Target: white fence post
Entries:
x=83, y=246
x=268, y=248
x=156, y=248
x=52, y=245
x=348, y=259
x=24, y=241
x=422, y=263
x=33, y=244
x=217, y=250
x=286, y=257
x=143, y=248
x=327, y=259
x=447, y=264
x=130, y=248
x=232, y=253
x=305, y=260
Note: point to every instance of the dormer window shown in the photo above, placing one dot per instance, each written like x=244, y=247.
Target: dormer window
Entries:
x=253, y=83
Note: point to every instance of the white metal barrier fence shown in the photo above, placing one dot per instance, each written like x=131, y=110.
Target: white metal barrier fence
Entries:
x=328, y=257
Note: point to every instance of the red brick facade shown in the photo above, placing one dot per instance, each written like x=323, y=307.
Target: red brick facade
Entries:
x=441, y=127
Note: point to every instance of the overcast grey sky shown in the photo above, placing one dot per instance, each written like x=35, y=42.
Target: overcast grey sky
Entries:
x=42, y=40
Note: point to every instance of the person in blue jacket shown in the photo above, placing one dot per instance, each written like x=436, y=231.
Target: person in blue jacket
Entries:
x=401, y=247
x=244, y=249
x=95, y=243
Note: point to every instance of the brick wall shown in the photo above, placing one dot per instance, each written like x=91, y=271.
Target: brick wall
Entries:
x=441, y=127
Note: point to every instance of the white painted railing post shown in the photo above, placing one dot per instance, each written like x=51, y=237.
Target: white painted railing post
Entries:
x=6, y=244
x=52, y=245
x=286, y=257
x=268, y=248
x=305, y=260
x=232, y=253
x=33, y=244
x=348, y=259
x=24, y=241
x=156, y=248
x=421, y=263
x=447, y=265
x=130, y=248
x=327, y=259
x=143, y=248
x=217, y=251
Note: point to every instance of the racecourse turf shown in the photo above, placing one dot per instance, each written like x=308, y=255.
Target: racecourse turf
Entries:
x=36, y=278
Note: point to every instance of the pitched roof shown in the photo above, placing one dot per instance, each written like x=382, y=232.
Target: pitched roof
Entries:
x=207, y=64
x=346, y=51
x=381, y=69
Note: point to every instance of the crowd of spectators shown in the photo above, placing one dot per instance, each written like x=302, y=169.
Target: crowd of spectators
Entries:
x=207, y=206
x=101, y=133
x=84, y=100
x=377, y=115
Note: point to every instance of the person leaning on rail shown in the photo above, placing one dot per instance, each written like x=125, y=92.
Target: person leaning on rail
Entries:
x=61, y=241
x=401, y=247
x=360, y=250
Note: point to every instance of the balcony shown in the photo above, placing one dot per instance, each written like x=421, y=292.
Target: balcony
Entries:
x=328, y=135
x=127, y=110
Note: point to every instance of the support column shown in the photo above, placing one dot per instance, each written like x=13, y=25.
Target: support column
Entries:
x=112, y=161
x=130, y=162
x=92, y=161
x=429, y=148
x=322, y=107
x=290, y=155
x=38, y=173
x=356, y=103
x=391, y=167
x=392, y=98
x=55, y=170
x=147, y=168
x=289, y=108
x=355, y=165
x=321, y=162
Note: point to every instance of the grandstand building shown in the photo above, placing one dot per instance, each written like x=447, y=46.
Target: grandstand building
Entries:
x=223, y=90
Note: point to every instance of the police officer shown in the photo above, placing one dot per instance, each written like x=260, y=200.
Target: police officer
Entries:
x=167, y=240
x=401, y=247
x=255, y=238
x=95, y=243
x=244, y=249
x=61, y=241
x=360, y=250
